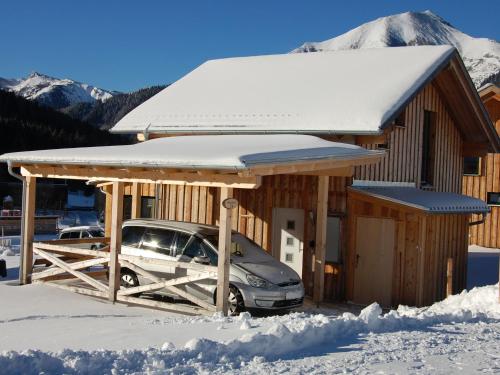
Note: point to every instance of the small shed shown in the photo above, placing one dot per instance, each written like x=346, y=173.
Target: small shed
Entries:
x=406, y=245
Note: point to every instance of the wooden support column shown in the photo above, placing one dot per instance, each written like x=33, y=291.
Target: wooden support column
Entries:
x=29, y=229
x=320, y=250
x=116, y=239
x=136, y=200
x=107, y=211
x=224, y=251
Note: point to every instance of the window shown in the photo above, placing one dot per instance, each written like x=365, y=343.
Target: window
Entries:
x=333, y=240
x=400, y=120
x=289, y=257
x=289, y=241
x=428, y=149
x=181, y=242
x=96, y=233
x=158, y=240
x=147, y=207
x=472, y=166
x=195, y=249
x=132, y=236
x=290, y=224
x=85, y=234
x=127, y=207
x=493, y=199
x=64, y=236
x=75, y=234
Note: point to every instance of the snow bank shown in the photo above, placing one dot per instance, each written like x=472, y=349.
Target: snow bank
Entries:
x=282, y=339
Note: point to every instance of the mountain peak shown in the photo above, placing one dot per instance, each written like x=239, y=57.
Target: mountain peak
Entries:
x=481, y=56
x=54, y=92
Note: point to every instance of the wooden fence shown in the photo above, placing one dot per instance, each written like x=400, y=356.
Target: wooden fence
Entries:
x=62, y=265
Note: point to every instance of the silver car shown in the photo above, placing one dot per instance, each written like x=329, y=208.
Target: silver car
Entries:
x=257, y=280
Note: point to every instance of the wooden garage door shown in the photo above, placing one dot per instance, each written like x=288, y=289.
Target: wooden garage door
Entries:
x=373, y=273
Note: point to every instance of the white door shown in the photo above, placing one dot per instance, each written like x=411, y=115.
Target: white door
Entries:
x=288, y=237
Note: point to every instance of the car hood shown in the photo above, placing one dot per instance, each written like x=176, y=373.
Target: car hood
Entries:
x=272, y=271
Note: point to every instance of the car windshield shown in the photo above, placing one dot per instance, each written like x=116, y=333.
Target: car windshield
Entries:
x=242, y=249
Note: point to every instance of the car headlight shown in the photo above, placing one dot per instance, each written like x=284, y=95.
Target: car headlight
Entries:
x=256, y=281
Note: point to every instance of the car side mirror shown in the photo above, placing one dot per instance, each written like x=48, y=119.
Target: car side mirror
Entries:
x=202, y=260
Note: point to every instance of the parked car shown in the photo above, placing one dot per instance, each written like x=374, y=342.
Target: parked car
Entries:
x=83, y=232
x=257, y=280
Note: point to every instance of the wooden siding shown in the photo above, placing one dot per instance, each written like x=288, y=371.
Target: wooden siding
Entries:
x=418, y=278
x=253, y=217
x=403, y=160
x=487, y=234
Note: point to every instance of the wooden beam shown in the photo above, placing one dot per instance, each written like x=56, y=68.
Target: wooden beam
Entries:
x=320, y=250
x=142, y=175
x=107, y=214
x=336, y=172
x=371, y=139
x=73, y=266
x=29, y=229
x=136, y=200
x=313, y=166
x=224, y=252
x=116, y=239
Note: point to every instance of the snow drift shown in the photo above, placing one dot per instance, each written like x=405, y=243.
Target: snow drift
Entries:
x=299, y=332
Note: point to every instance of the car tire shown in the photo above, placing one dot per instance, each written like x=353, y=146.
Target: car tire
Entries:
x=128, y=279
x=236, y=305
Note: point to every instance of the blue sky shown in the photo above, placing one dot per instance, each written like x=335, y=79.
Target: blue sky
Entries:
x=125, y=45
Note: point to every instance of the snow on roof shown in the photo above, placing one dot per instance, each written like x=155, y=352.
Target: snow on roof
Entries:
x=430, y=201
x=353, y=91
x=200, y=152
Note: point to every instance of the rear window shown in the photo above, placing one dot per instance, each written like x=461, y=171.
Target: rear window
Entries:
x=96, y=233
x=131, y=236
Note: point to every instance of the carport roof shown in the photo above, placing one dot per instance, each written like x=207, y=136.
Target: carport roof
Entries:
x=221, y=152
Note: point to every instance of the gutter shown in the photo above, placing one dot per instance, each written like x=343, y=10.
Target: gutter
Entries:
x=23, y=210
x=478, y=222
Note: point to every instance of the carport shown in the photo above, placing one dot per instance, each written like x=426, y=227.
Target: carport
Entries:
x=226, y=162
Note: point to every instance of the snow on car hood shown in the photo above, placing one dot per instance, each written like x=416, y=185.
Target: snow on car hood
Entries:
x=272, y=271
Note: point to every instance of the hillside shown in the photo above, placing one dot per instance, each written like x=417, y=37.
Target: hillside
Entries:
x=105, y=114
x=480, y=55
x=26, y=125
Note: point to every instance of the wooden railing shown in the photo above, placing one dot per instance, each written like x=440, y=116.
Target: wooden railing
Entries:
x=68, y=268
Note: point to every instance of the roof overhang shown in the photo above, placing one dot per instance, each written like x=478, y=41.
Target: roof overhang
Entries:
x=427, y=202
x=238, y=161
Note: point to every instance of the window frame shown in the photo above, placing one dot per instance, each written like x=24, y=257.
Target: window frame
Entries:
x=479, y=166
x=488, y=198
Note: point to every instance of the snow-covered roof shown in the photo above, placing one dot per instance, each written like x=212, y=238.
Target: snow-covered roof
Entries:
x=429, y=201
x=233, y=152
x=353, y=91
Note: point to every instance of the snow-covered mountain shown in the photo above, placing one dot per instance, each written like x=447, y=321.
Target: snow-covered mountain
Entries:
x=480, y=55
x=54, y=92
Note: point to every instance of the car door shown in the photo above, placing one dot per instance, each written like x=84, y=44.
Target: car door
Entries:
x=157, y=243
x=203, y=288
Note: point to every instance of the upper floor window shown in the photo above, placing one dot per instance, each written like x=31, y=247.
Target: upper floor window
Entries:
x=493, y=199
x=472, y=166
x=428, y=149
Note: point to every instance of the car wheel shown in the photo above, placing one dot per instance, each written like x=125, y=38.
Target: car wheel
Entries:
x=128, y=279
x=235, y=301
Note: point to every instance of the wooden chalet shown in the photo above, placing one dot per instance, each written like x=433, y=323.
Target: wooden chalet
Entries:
x=482, y=178
x=385, y=224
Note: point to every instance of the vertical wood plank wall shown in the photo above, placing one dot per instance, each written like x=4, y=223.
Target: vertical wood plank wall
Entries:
x=445, y=237
x=403, y=160
x=253, y=217
x=487, y=234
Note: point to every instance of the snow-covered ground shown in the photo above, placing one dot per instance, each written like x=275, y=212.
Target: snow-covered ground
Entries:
x=43, y=329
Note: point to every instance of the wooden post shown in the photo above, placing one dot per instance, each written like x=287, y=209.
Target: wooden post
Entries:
x=449, y=277
x=29, y=229
x=116, y=239
x=136, y=200
x=224, y=251
x=107, y=211
x=320, y=250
